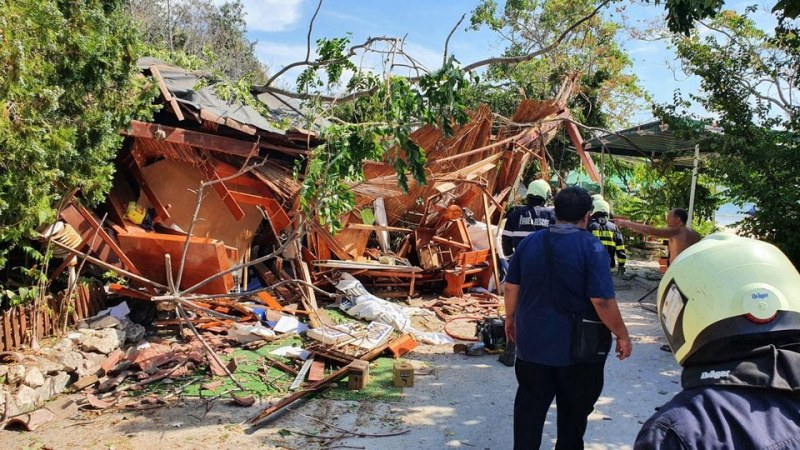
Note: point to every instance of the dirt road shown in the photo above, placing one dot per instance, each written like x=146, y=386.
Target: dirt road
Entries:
x=458, y=401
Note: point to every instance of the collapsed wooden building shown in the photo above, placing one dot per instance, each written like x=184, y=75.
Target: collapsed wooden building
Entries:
x=204, y=221
x=249, y=204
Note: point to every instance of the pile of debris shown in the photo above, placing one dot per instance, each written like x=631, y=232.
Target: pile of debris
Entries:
x=203, y=221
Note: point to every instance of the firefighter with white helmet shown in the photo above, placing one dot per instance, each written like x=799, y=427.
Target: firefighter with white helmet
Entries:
x=531, y=217
x=522, y=221
x=729, y=308
x=608, y=233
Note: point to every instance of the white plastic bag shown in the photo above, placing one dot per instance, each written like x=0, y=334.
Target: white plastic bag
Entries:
x=363, y=305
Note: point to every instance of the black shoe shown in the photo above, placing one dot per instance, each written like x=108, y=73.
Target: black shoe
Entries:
x=666, y=348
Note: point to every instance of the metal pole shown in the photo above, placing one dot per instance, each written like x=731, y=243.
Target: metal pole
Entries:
x=694, y=183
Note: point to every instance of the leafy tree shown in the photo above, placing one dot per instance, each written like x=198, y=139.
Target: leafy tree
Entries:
x=682, y=14
x=749, y=80
x=607, y=93
x=375, y=127
x=657, y=188
x=214, y=35
x=67, y=88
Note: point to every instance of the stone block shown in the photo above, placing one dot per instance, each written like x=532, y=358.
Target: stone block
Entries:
x=25, y=399
x=16, y=374
x=34, y=377
x=102, y=341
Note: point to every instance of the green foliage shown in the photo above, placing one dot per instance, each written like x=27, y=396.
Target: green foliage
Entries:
x=607, y=92
x=658, y=188
x=21, y=296
x=749, y=81
x=377, y=127
x=682, y=14
x=67, y=88
x=202, y=34
x=332, y=53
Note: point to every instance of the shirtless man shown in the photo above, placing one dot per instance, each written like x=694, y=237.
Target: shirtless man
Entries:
x=680, y=236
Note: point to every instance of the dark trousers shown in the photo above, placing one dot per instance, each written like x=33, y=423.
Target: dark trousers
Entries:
x=575, y=388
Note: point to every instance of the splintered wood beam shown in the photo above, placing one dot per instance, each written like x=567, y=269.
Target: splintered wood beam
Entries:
x=174, y=135
x=166, y=93
x=85, y=219
x=275, y=212
x=161, y=209
x=226, y=170
x=586, y=159
x=288, y=400
x=228, y=122
x=219, y=187
x=331, y=243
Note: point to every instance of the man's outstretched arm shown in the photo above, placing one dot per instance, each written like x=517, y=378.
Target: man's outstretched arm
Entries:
x=666, y=233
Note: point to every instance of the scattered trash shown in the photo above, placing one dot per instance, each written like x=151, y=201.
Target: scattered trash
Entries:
x=249, y=333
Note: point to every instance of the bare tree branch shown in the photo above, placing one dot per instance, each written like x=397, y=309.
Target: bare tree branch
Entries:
x=530, y=56
x=310, y=27
x=267, y=87
x=447, y=41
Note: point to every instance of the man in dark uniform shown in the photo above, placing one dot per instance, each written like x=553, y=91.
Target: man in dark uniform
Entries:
x=555, y=276
x=528, y=218
x=522, y=221
x=608, y=233
x=730, y=309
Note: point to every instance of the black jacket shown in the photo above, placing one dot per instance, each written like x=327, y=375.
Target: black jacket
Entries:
x=611, y=238
x=747, y=404
x=522, y=221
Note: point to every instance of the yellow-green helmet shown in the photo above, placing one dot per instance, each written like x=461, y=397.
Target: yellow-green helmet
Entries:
x=540, y=188
x=600, y=205
x=722, y=289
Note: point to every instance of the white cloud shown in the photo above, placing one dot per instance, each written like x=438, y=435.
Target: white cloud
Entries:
x=270, y=15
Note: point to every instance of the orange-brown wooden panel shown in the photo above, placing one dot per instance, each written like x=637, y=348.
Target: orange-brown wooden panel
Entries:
x=206, y=257
x=280, y=220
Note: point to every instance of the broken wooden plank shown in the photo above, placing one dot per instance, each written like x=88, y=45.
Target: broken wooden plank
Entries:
x=222, y=144
x=317, y=371
x=277, y=216
x=87, y=225
x=162, y=210
x=166, y=93
x=586, y=159
x=309, y=297
x=128, y=292
x=227, y=121
x=288, y=400
x=267, y=299
x=219, y=187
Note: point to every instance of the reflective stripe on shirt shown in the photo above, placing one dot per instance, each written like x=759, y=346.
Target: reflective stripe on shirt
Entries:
x=516, y=233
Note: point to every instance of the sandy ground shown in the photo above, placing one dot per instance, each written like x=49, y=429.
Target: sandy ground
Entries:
x=458, y=401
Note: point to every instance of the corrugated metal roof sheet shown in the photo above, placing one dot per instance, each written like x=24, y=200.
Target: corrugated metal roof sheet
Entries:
x=650, y=140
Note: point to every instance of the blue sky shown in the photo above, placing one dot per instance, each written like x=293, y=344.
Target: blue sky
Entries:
x=280, y=27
